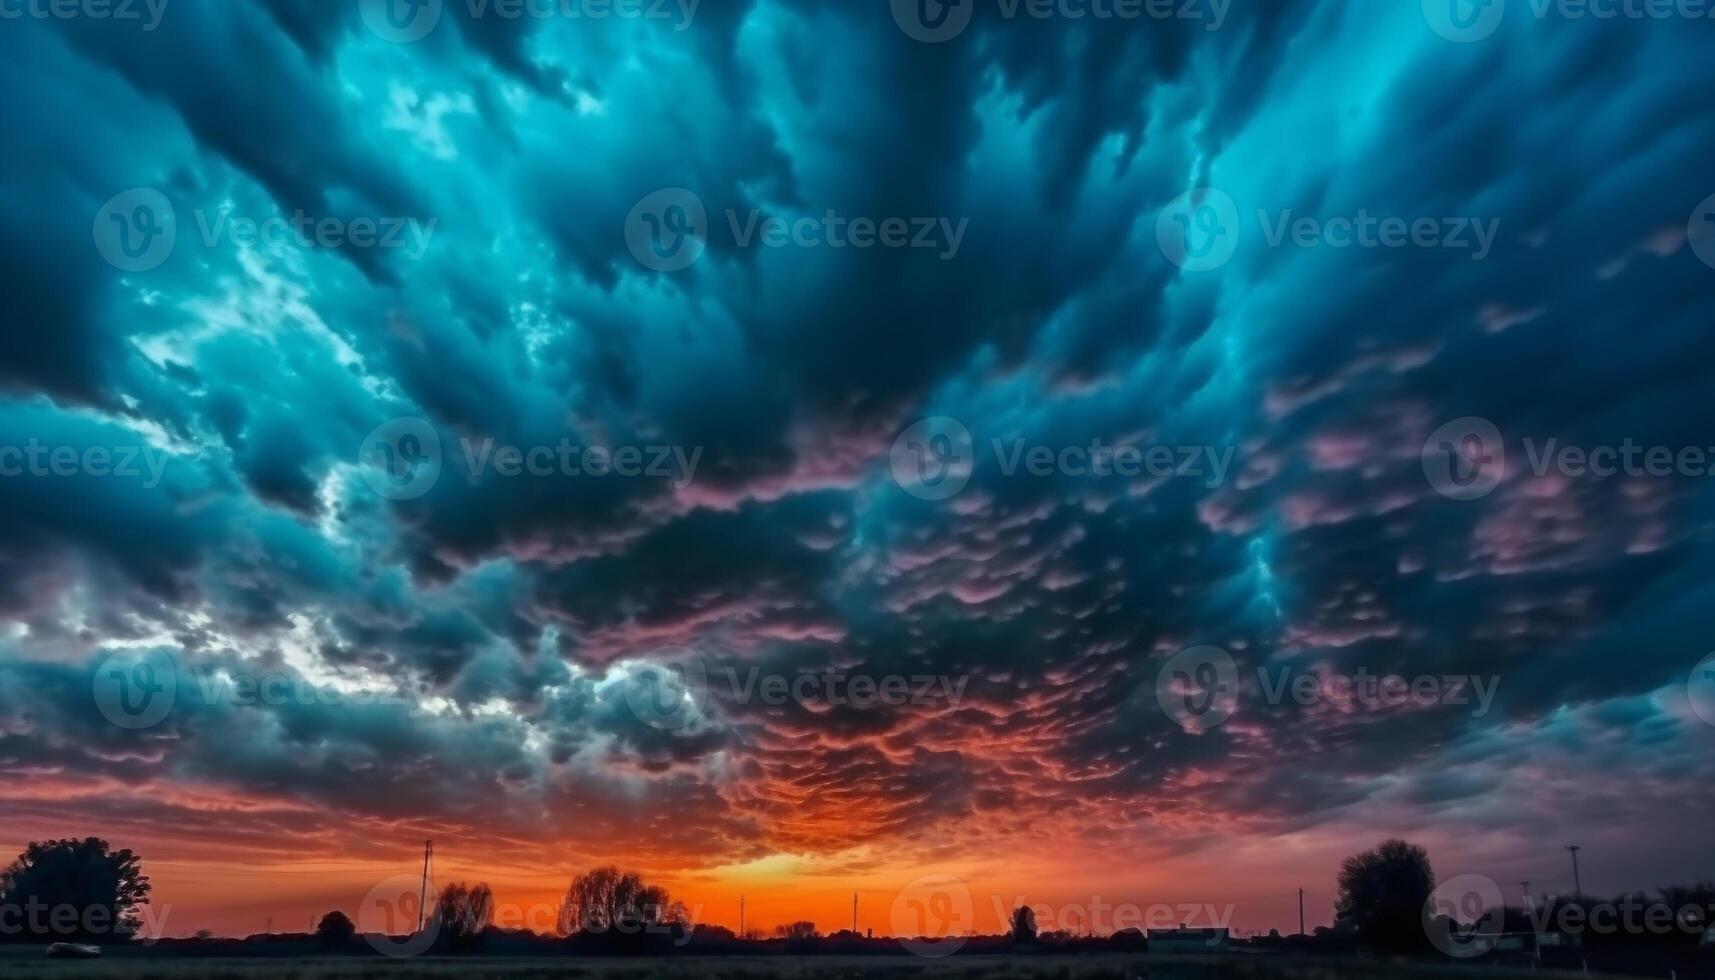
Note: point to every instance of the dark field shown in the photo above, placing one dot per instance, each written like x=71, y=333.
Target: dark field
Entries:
x=1118, y=967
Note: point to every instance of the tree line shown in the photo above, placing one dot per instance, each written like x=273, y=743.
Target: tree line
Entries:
x=83, y=890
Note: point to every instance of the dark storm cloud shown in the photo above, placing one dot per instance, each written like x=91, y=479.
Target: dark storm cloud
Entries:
x=513, y=608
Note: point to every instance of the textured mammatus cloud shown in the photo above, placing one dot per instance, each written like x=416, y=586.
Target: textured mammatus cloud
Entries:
x=508, y=609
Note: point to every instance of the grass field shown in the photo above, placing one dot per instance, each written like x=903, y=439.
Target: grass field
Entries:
x=1116, y=967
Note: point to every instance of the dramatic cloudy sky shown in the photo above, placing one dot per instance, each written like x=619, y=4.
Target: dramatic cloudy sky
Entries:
x=509, y=616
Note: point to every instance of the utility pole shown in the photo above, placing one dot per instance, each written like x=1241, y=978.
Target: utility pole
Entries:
x=423, y=893
x=1577, y=885
x=1301, y=911
x=741, y=917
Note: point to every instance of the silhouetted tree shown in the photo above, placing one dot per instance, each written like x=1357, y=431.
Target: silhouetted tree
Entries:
x=609, y=900
x=462, y=913
x=73, y=890
x=1023, y=925
x=1383, y=893
x=1692, y=904
x=1678, y=915
x=335, y=930
x=800, y=930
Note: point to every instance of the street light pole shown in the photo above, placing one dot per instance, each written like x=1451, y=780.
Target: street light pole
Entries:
x=1577, y=885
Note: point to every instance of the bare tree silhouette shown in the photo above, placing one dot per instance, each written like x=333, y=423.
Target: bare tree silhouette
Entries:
x=463, y=912
x=607, y=900
x=797, y=931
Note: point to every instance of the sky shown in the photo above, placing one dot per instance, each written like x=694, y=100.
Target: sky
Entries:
x=475, y=422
